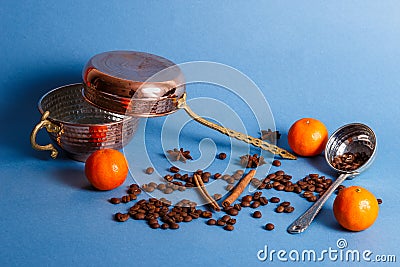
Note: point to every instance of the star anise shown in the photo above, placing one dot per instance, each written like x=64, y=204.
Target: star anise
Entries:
x=269, y=135
x=254, y=161
x=179, y=154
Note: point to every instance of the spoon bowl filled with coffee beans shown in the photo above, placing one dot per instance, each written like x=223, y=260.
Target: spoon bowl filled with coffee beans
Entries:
x=350, y=150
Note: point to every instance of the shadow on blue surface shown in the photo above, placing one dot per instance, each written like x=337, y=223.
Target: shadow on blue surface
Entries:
x=21, y=114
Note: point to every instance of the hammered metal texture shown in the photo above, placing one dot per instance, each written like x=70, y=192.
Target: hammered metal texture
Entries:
x=84, y=128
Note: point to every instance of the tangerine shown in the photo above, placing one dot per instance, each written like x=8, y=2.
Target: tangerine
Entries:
x=308, y=137
x=355, y=208
x=106, y=169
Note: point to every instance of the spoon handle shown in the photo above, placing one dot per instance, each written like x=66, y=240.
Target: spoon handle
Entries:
x=305, y=220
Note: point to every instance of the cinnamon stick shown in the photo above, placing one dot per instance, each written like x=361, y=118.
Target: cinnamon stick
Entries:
x=204, y=193
x=239, y=188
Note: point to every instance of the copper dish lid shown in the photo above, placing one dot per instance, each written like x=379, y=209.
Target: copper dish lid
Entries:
x=133, y=83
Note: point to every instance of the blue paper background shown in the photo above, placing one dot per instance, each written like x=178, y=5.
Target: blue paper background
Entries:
x=337, y=61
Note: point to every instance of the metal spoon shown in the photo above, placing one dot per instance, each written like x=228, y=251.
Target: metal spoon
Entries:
x=354, y=137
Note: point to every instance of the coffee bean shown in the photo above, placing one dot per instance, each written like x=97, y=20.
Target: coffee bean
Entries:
x=149, y=170
x=174, y=169
x=285, y=204
x=139, y=216
x=257, y=214
x=211, y=222
x=164, y=226
x=233, y=212
x=245, y=204
x=231, y=180
x=221, y=222
x=125, y=199
x=297, y=190
x=280, y=209
x=255, y=204
x=263, y=201
x=217, y=176
x=275, y=200
x=280, y=187
x=279, y=173
x=312, y=198
x=154, y=225
x=379, y=201
x=168, y=190
x=229, y=227
x=174, y=226
x=276, y=163
x=231, y=221
x=115, y=200
x=161, y=187
x=187, y=218
x=247, y=198
x=206, y=214
x=226, y=218
x=229, y=187
x=168, y=178
x=269, y=226
x=238, y=207
x=121, y=217
x=132, y=196
x=289, y=209
x=222, y=156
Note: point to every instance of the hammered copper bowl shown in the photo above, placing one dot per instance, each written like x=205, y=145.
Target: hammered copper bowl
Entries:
x=79, y=128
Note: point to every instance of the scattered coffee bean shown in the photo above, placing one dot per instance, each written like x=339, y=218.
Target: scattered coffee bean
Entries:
x=289, y=209
x=275, y=200
x=121, y=217
x=226, y=218
x=164, y=226
x=276, y=163
x=255, y=204
x=187, y=218
x=149, y=170
x=168, y=190
x=232, y=212
x=263, y=201
x=174, y=169
x=312, y=198
x=379, y=201
x=229, y=227
x=155, y=225
x=174, y=226
x=217, y=196
x=221, y=222
x=115, y=200
x=285, y=204
x=217, y=176
x=206, y=214
x=168, y=177
x=245, y=204
x=257, y=214
x=126, y=199
x=211, y=222
x=247, y=198
x=222, y=156
x=229, y=187
x=280, y=209
x=269, y=226
x=231, y=221
x=237, y=206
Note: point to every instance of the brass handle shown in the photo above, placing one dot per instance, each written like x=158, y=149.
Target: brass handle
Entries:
x=231, y=133
x=51, y=128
